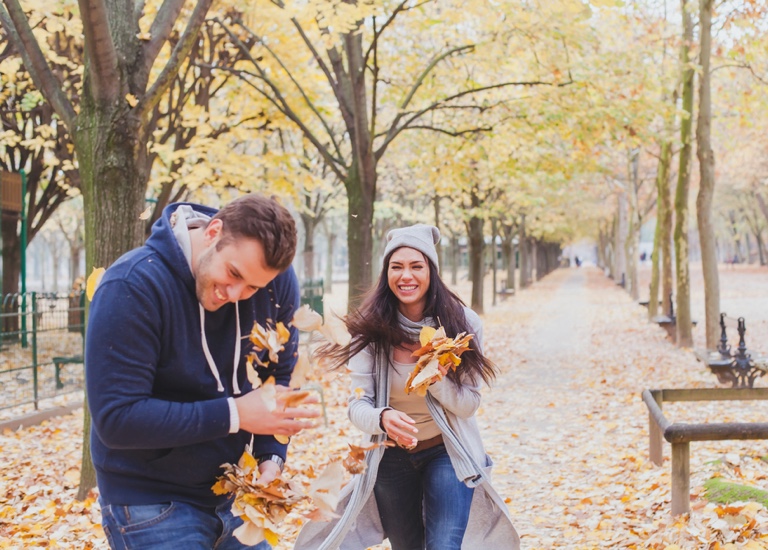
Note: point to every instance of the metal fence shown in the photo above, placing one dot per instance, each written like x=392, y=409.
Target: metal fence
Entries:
x=41, y=346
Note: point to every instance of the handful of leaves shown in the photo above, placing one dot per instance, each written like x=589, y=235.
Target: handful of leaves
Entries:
x=261, y=506
x=437, y=350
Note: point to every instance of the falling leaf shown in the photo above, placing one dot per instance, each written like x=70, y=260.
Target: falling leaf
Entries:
x=335, y=331
x=264, y=338
x=306, y=319
x=324, y=491
x=146, y=214
x=301, y=371
x=292, y=398
x=93, y=281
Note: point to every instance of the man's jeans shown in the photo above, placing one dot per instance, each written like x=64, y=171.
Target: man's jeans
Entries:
x=405, y=480
x=172, y=526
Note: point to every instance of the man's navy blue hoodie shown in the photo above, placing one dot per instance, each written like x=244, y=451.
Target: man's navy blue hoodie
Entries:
x=160, y=427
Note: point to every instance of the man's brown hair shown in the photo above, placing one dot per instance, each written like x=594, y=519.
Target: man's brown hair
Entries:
x=265, y=220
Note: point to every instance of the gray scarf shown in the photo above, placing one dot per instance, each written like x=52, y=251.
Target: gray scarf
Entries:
x=466, y=467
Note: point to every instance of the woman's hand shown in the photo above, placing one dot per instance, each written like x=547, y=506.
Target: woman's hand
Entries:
x=399, y=427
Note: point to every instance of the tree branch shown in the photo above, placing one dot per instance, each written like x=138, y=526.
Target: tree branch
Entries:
x=159, y=32
x=100, y=49
x=279, y=102
x=393, y=131
x=377, y=33
x=17, y=26
x=304, y=96
x=179, y=54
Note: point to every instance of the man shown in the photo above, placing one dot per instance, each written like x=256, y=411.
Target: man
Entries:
x=166, y=377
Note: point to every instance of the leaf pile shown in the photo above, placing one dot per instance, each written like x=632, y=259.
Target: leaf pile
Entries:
x=437, y=350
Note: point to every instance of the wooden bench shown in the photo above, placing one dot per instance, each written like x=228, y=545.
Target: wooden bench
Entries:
x=680, y=435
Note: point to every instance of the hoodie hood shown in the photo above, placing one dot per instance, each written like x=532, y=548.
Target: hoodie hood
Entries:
x=164, y=241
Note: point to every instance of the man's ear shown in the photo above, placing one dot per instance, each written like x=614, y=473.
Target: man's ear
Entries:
x=212, y=232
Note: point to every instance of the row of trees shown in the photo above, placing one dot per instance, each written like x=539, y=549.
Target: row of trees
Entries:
x=696, y=125
x=487, y=119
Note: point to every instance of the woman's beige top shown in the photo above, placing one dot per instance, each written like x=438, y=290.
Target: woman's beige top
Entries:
x=411, y=404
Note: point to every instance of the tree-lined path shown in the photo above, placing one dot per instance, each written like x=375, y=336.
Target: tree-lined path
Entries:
x=564, y=424
x=568, y=430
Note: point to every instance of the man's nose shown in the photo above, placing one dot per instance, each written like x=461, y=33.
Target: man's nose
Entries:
x=235, y=292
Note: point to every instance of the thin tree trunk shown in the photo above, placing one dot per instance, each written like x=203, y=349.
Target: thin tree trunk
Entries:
x=622, y=230
x=683, y=298
x=476, y=249
x=707, y=181
x=661, y=275
x=522, y=246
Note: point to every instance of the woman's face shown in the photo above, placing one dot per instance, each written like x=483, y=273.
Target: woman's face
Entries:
x=408, y=278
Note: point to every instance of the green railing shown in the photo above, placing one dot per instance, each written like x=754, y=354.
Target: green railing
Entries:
x=41, y=346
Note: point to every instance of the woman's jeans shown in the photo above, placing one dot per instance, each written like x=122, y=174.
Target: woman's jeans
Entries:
x=406, y=480
x=172, y=526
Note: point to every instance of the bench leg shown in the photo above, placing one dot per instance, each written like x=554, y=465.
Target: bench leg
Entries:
x=681, y=478
x=655, y=441
x=59, y=383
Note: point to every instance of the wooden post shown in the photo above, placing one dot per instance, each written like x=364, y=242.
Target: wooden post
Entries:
x=681, y=469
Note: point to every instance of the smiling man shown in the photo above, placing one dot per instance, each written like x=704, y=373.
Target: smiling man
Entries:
x=167, y=385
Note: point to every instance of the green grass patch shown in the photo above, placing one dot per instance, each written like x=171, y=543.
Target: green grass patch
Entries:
x=726, y=492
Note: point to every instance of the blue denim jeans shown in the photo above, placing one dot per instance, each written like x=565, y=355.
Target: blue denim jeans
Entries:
x=172, y=526
x=414, y=489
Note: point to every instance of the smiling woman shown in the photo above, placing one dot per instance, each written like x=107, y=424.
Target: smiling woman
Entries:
x=427, y=483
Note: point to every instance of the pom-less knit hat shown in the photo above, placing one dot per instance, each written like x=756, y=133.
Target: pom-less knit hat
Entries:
x=420, y=237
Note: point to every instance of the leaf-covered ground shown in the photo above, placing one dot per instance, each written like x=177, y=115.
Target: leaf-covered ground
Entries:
x=564, y=424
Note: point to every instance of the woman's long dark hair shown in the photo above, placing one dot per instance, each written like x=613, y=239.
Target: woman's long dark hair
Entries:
x=375, y=323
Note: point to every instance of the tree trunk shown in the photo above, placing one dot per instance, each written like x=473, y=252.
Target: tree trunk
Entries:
x=440, y=255
x=455, y=258
x=11, y=271
x=113, y=168
x=494, y=231
x=331, y=243
x=522, y=247
x=476, y=249
x=633, y=231
x=683, y=298
x=360, y=196
x=308, y=255
x=707, y=181
x=661, y=273
x=622, y=231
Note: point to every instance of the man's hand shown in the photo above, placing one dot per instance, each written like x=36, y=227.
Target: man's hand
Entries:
x=268, y=472
x=256, y=418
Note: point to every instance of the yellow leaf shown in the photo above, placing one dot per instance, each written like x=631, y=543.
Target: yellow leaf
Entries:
x=219, y=488
x=146, y=214
x=93, y=281
x=271, y=537
x=284, y=439
x=131, y=99
x=247, y=461
x=426, y=335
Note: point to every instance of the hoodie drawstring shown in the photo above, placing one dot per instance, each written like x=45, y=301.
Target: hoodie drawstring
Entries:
x=209, y=357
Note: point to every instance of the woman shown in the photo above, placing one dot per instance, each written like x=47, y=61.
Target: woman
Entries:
x=432, y=488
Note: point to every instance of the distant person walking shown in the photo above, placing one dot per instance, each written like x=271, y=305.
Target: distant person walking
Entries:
x=431, y=488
